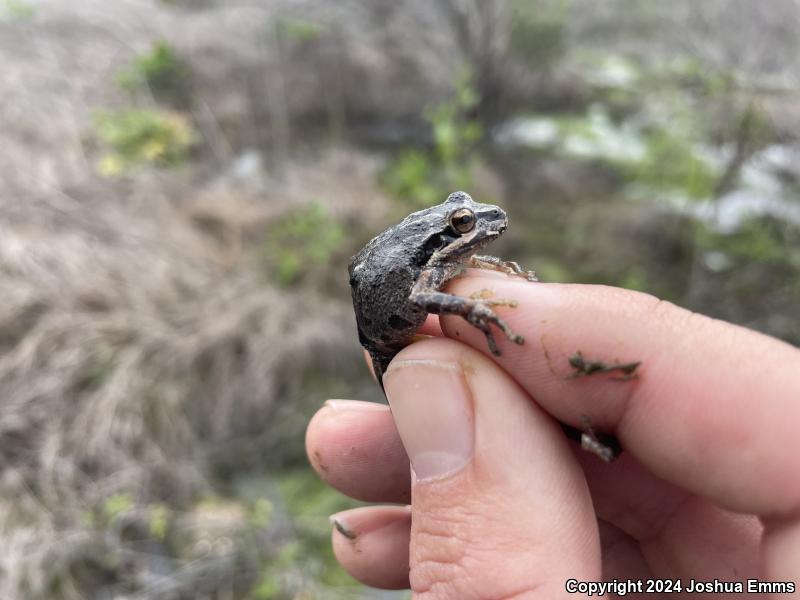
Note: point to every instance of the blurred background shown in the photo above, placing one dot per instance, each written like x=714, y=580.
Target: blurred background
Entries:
x=182, y=183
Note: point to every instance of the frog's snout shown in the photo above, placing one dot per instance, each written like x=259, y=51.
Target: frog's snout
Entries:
x=496, y=215
x=499, y=218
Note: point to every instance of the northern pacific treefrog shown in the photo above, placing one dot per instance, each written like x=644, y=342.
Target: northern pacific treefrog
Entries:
x=398, y=277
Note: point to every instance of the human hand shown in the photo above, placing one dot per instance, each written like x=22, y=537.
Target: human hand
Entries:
x=504, y=506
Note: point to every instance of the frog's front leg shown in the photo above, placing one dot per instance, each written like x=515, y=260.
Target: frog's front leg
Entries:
x=504, y=266
x=477, y=312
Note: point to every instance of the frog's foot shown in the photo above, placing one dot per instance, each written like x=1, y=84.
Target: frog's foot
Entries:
x=509, y=267
x=486, y=294
x=482, y=316
x=477, y=311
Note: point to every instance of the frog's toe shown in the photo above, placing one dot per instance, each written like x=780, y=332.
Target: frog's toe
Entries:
x=484, y=326
x=509, y=333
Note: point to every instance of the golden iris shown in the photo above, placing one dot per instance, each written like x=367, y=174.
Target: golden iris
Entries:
x=462, y=220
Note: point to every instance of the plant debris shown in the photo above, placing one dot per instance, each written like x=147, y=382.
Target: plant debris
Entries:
x=344, y=529
x=604, y=445
x=584, y=368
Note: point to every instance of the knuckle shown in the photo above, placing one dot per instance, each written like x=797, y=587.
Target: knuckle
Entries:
x=437, y=555
x=450, y=553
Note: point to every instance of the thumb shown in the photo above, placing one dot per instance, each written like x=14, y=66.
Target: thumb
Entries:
x=500, y=507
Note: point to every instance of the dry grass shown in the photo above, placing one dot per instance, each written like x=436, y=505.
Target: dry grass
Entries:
x=133, y=359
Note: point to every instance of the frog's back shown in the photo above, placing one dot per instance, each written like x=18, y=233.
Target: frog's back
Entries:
x=381, y=277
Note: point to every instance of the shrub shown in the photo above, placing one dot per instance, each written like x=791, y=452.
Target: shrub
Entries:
x=302, y=239
x=159, y=70
x=142, y=137
x=425, y=177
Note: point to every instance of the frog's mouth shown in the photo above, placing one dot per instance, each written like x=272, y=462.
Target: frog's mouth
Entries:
x=496, y=221
x=479, y=239
x=493, y=233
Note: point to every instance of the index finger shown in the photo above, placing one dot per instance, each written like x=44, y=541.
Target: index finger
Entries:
x=715, y=407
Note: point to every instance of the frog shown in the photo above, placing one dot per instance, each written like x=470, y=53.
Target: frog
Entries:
x=398, y=277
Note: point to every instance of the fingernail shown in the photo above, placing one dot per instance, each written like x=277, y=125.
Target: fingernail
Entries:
x=432, y=409
x=341, y=527
x=355, y=405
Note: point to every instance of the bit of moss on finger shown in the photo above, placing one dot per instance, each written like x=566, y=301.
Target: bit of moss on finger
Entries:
x=583, y=368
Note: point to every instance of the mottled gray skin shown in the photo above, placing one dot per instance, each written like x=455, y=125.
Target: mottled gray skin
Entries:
x=397, y=277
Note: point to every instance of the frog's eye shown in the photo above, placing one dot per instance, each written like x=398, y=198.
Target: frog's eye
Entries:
x=462, y=220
